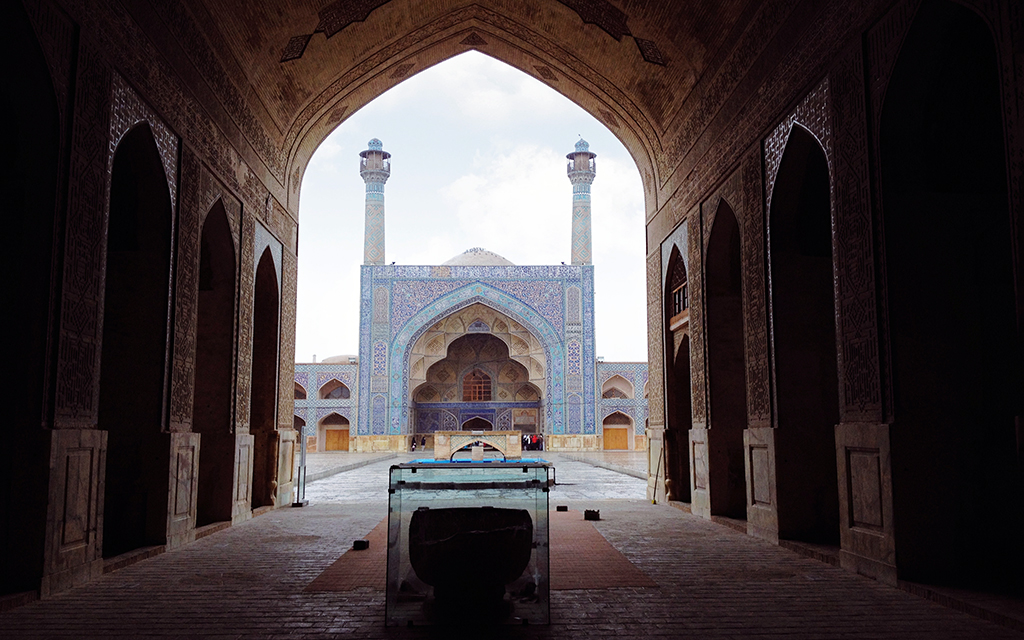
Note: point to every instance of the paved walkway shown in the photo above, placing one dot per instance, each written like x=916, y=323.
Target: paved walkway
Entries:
x=246, y=582
x=320, y=465
x=632, y=463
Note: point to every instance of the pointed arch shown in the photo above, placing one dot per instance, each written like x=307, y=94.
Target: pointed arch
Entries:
x=617, y=387
x=726, y=369
x=213, y=396
x=135, y=334
x=803, y=312
x=334, y=389
x=949, y=264
x=446, y=306
x=347, y=94
x=263, y=395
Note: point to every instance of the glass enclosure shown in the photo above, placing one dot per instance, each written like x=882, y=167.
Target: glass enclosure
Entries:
x=468, y=543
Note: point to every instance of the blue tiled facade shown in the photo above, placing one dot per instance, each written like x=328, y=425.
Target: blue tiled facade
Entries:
x=636, y=407
x=312, y=378
x=399, y=303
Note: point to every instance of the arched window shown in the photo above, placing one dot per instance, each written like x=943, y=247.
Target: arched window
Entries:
x=300, y=393
x=678, y=298
x=476, y=387
x=334, y=390
x=617, y=387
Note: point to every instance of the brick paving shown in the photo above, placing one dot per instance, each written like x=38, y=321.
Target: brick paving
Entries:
x=247, y=582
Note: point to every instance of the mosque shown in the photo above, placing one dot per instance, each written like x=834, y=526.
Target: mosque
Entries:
x=834, y=218
x=476, y=343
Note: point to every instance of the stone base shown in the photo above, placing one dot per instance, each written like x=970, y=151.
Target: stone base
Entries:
x=74, y=518
x=373, y=444
x=573, y=443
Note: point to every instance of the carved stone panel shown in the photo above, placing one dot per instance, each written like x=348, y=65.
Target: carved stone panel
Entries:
x=655, y=341
x=246, y=292
x=78, y=359
x=287, y=443
x=186, y=294
x=762, y=512
x=700, y=496
x=286, y=395
x=755, y=313
x=241, y=510
x=856, y=321
x=867, y=532
x=184, y=486
x=73, y=552
x=698, y=373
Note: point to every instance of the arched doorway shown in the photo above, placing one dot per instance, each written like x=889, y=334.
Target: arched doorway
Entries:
x=214, y=391
x=263, y=413
x=953, y=308
x=616, y=429
x=132, y=365
x=678, y=392
x=803, y=328
x=335, y=429
x=29, y=166
x=726, y=370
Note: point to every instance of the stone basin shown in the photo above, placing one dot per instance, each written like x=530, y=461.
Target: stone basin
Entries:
x=469, y=554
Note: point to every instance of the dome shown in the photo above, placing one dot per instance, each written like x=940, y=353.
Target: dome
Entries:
x=343, y=359
x=478, y=257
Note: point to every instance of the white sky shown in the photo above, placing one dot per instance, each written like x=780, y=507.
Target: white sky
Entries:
x=478, y=160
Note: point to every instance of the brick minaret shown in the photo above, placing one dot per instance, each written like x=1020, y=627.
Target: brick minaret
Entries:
x=582, y=168
x=375, y=168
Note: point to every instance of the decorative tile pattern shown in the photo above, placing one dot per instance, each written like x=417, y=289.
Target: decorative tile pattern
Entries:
x=572, y=354
x=295, y=48
x=380, y=358
x=637, y=406
x=417, y=299
x=339, y=14
x=573, y=306
x=380, y=415
x=650, y=51
x=603, y=14
x=311, y=377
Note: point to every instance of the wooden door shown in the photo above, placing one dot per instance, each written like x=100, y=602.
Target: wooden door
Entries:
x=337, y=440
x=616, y=438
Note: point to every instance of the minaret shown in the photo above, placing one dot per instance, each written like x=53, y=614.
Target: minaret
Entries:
x=375, y=168
x=582, y=168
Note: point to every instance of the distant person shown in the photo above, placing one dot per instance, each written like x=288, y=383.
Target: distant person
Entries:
x=423, y=442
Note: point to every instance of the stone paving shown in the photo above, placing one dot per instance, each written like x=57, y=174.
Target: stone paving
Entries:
x=633, y=463
x=246, y=582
